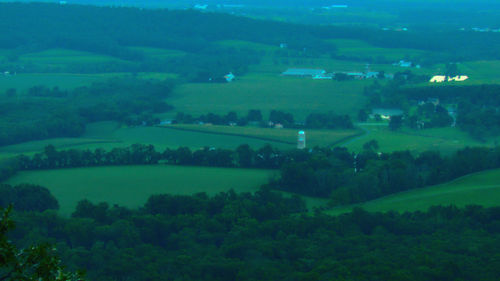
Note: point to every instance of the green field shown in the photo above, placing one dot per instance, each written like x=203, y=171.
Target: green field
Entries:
x=445, y=140
x=109, y=135
x=480, y=189
x=131, y=186
x=299, y=96
x=357, y=48
x=314, y=137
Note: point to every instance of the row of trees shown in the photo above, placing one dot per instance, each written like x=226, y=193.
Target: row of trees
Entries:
x=336, y=173
x=266, y=236
x=313, y=121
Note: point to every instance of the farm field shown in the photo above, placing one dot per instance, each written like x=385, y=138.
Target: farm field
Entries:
x=445, y=140
x=109, y=135
x=314, y=137
x=299, y=96
x=476, y=189
x=131, y=186
x=61, y=57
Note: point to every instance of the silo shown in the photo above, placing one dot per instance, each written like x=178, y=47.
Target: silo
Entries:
x=301, y=140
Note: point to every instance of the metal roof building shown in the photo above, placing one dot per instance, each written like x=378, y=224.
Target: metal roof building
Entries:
x=303, y=72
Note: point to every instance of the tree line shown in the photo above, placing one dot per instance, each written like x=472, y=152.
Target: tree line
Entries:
x=328, y=120
x=335, y=173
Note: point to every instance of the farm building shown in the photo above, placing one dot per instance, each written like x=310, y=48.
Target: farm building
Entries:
x=386, y=113
x=304, y=72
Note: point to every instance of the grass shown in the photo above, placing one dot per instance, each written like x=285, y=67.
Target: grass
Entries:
x=445, y=140
x=267, y=92
x=314, y=137
x=357, y=48
x=131, y=186
x=476, y=189
x=157, y=53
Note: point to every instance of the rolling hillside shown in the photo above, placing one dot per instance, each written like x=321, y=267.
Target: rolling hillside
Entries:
x=476, y=189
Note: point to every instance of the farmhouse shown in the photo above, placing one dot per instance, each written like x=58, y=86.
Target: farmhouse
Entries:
x=304, y=72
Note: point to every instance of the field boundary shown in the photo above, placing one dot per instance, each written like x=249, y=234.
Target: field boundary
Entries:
x=228, y=134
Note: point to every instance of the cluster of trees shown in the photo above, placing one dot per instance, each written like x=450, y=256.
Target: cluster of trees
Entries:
x=313, y=121
x=49, y=113
x=266, y=236
x=476, y=105
x=27, y=198
x=351, y=178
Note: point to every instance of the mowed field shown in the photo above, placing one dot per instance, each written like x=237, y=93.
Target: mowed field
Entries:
x=445, y=140
x=131, y=186
x=287, y=136
x=476, y=189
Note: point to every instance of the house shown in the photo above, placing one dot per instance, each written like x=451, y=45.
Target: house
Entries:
x=278, y=126
x=403, y=63
x=283, y=45
x=229, y=77
x=303, y=72
x=356, y=75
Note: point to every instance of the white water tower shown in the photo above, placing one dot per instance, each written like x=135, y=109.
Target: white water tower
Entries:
x=301, y=140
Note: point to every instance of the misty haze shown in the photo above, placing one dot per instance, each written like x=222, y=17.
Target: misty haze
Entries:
x=254, y=140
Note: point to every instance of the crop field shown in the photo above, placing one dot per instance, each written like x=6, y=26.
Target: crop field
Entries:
x=131, y=186
x=314, y=137
x=57, y=57
x=108, y=135
x=445, y=140
x=267, y=92
x=476, y=189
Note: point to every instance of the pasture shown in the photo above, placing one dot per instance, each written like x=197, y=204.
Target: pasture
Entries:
x=476, y=189
x=445, y=140
x=131, y=186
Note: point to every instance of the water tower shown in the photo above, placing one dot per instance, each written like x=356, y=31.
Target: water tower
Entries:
x=301, y=140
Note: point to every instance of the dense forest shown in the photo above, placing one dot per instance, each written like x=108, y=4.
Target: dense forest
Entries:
x=111, y=30
x=264, y=236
